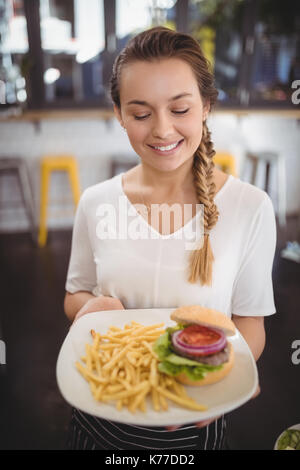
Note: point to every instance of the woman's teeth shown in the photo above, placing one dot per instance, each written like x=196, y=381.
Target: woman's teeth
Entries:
x=168, y=147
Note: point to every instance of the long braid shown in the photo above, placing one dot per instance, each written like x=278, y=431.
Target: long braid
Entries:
x=201, y=259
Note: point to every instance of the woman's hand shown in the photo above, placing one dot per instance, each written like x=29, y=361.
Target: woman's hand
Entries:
x=256, y=393
x=199, y=424
x=206, y=422
x=99, y=303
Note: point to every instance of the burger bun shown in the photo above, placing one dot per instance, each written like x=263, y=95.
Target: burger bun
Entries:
x=197, y=315
x=213, y=376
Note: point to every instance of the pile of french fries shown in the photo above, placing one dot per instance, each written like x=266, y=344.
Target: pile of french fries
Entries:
x=121, y=367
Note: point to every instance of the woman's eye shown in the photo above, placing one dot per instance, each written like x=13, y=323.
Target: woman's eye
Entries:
x=140, y=118
x=181, y=112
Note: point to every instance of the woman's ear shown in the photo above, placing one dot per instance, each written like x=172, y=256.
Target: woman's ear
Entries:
x=206, y=110
x=118, y=115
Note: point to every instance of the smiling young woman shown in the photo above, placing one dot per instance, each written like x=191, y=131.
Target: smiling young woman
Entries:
x=162, y=90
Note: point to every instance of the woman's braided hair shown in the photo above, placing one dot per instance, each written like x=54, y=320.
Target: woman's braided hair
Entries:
x=160, y=43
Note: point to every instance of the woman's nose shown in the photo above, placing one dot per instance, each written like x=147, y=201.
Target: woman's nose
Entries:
x=162, y=127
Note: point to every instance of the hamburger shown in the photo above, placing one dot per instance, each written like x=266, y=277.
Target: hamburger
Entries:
x=196, y=350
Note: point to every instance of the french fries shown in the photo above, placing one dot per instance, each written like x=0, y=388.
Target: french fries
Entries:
x=121, y=366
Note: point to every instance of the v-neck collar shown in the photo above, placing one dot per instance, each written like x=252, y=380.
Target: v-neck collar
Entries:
x=184, y=227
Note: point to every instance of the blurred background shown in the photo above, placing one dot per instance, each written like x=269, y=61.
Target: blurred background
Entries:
x=58, y=136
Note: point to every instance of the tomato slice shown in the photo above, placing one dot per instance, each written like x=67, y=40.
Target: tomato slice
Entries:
x=198, y=335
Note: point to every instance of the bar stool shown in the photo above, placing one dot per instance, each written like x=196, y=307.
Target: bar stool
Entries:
x=226, y=162
x=122, y=164
x=18, y=166
x=49, y=164
x=270, y=159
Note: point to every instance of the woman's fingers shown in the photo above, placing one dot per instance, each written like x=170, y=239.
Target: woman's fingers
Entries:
x=172, y=428
x=205, y=422
x=199, y=424
x=256, y=393
x=99, y=303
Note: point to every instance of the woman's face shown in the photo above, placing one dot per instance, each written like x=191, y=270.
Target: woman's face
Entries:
x=162, y=111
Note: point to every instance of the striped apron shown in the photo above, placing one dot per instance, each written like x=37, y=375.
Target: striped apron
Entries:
x=87, y=432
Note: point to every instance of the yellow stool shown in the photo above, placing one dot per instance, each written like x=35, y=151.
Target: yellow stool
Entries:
x=55, y=163
x=226, y=162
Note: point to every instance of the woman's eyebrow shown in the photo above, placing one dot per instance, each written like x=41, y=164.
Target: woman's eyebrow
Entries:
x=144, y=103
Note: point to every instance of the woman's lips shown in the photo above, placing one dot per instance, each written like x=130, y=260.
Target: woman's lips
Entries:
x=169, y=148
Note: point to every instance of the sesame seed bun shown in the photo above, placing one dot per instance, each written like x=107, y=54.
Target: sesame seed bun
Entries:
x=197, y=315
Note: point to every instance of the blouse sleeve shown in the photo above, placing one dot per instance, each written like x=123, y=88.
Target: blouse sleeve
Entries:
x=82, y=268
x=253, y=288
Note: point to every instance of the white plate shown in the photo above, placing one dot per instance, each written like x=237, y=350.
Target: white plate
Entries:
x=295, y=426
x=222, y=397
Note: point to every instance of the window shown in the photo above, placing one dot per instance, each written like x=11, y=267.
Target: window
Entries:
x=276, y=55
x=217, y=26
x=72, y=40
x=13, y=49
x=60, y=53
x=253, y=46
x=134, y=16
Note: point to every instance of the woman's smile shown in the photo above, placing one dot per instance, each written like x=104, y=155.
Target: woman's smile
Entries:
x=168, y=148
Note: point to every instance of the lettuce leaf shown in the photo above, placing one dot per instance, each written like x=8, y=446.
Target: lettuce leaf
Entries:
x=162, y=346
x=173, y=364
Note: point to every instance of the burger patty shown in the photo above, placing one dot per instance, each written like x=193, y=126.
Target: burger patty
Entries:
x=213, y=359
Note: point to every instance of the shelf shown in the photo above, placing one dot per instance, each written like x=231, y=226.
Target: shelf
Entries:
x=107, y=114
x=47, y=114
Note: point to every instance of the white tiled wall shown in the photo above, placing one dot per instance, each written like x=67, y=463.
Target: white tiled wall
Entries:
x=257, y=132
x=93, y=143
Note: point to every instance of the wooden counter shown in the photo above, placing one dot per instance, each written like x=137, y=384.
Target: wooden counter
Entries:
x=107, y=114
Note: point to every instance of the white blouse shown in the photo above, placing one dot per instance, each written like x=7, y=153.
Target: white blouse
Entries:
x=115, y=252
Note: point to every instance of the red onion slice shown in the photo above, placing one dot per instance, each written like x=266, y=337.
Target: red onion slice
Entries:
x=204, y=350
